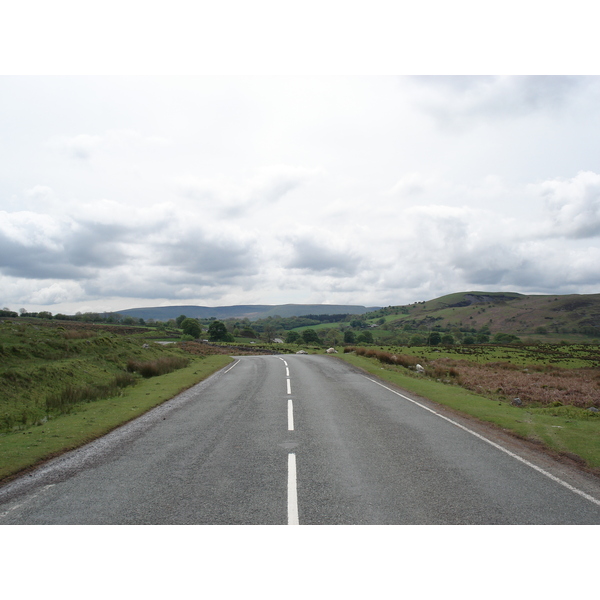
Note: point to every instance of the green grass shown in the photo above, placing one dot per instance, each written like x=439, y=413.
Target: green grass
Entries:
x=42, y=363
x=87, y=421
x=567, y=356
x=568, y=430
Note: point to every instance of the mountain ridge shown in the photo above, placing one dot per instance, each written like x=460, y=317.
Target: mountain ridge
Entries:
x=243, y=311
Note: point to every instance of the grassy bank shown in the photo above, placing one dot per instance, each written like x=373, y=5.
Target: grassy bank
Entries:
x=87, y=421
x=64, y=384
x=564, y=429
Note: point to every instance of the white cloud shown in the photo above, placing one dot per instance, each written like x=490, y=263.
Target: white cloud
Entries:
x=268, y=185
x=84, y=145
x=573, y=204
x=461, y=102
x=278, y=190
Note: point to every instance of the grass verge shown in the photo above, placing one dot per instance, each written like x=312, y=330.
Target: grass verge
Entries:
x=21, y=450
x=565, y=430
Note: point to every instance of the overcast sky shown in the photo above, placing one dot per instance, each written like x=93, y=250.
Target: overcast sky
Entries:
x=124, y=191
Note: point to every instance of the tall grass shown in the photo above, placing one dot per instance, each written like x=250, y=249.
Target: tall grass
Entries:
x=63, y=401
x=159, y=366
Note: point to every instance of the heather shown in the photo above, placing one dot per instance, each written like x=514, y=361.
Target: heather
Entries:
x=535, y=384
x=507, y=374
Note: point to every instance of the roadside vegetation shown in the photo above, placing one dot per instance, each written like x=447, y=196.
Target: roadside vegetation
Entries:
x=62, y=385
x=544, y=394
x=529, y=364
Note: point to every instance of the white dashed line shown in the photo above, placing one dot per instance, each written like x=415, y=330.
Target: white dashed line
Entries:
x=292, y=491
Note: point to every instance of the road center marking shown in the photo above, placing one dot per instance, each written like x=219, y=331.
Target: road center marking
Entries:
x=292, y=491
x=290, y=415
x=289, y=387
x=498, y=446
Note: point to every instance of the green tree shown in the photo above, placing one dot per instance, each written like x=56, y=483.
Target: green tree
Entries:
x=365, y=337
x=269, y=332
x=310, y=336
x=191, y=327
x=333, y=337
x=180, y=319
x=292, y=337
x=416, y=340
x=349, y=337
x=217, y=332
x=435, y=338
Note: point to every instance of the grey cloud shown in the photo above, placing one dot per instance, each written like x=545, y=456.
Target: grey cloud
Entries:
x=529, y=266
x=458, y=102
x=72, y=251
x=199, y=255
x=313, y=256
x=152, y=281
x=36, y=262
x=98, y=245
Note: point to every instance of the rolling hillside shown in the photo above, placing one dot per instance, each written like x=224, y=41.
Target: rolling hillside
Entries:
x=504, y=312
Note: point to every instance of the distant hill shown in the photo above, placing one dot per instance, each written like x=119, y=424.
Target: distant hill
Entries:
x=504, y=312
x=242, y=311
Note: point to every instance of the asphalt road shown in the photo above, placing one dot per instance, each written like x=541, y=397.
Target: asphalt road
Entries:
x=303, y=440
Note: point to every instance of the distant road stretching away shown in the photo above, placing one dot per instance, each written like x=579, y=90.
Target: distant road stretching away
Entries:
x=301, y=439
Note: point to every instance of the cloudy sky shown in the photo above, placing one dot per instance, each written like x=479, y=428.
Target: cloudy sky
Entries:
x=143, y=190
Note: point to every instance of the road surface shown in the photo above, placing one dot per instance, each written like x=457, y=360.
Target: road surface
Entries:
x=301, y=439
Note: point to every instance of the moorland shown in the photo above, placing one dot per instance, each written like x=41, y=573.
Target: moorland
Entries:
x=527, y=364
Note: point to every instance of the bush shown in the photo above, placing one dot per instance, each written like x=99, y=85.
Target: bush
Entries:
x=160, y=366
x=365, y=337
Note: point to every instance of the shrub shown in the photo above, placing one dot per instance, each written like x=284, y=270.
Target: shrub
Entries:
x=160, y=366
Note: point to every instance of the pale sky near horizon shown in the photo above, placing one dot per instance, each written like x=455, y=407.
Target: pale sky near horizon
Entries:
x=299, y=186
